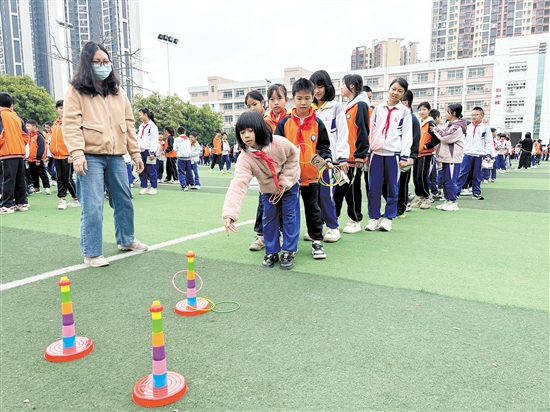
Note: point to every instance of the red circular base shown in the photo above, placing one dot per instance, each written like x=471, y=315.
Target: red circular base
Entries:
x=183, y=310
x=56, y=353
x=145, y=395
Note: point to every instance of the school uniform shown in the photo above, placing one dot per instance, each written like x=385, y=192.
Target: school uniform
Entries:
x=182, y=145
x=311, y=137
x=37, y=154
x=148, y=135
x=423, y=163
x=60, y=154
x=391, y=139
x=478, y=144
x=216, y=153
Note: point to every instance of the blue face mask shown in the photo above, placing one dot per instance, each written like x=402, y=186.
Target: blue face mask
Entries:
x=103, y=71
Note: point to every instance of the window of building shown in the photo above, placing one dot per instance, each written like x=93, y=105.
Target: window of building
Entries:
x=377, y=96
x=455, y=74
x=515, y=103
x=476, y=72
x=419, y=77
x=454, y=90
x=239, y=93
x=422, y=92
x=212, y=89
x=240, y=106
x=372, y=81
x=194, y=95
x=262, y=90
x=228, y=95
x=228, y=119
x=515, y=85
x=517, y=67
x=473, y=103
x=205, y=93
x=513, y=119
x=292, y=80
x=404, y=76
x=475, y=88
x=227, y=106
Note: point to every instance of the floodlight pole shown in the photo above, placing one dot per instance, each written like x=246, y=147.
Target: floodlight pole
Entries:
x=66, y=27
x=168, y=40
x=168, y=60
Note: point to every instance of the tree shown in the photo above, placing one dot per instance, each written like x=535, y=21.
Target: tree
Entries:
x=171, y=110
x=31, y=101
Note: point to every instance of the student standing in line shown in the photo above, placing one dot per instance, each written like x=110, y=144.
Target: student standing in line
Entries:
x=390, y=147
x=182, y=145
x=356, y=114
x=334, y=119
x=196, y=151
x=148, y=141
x=450, y=153
x=171, y=156
x=274, y=161
x=309, y=134
x=37, y=156
x=161, y=157
x=64, y=169
x=478, y=144
x=422, y=164
x=226, y=153
x=217, y=152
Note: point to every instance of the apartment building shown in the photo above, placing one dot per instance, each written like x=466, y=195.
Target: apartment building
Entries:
x=384, y=53
x=508, y=85
x=470, y=28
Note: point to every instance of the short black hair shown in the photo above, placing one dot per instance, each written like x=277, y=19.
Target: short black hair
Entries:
x=48, y=123
x=528, y=135
x=181, y=130
x=6, y=100
x=302, y=84
x=426, y=105
x=254, y=95
x=224, y=134
x=402, y=82
x=367, y=89
x=85, y=81
x=479, y=109
x=434, y=113
x=278, y=88
x=408, y=97
x=59, y=103
x=322, y=78
x=193, y=134
x=32, y=122
x=456, y=108
x=170, y=130
x=356, y=81
x=493, y=130
x=218, y=131
x=253, y=120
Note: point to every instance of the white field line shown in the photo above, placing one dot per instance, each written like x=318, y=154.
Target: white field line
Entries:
x=69, y=269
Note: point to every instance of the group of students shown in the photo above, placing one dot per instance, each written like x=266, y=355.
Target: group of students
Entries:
x=29, y=156
x=321, y=151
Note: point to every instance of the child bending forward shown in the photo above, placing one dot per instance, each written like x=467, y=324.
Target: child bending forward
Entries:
x=274, y=161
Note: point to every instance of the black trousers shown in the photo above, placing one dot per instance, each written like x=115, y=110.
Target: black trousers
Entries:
x=217, y=160
x=525, y=160
x=38, y=172
x=421, y=170
x=13, y=182
x=65, y=181
x=312, y=210
x=259, y=225
x=352, y=193
x=171, y=169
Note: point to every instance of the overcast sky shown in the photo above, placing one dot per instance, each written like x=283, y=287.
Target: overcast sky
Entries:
x=251, y=40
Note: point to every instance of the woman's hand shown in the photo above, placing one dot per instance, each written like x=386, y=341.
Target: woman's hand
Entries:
x=80, y=165
x=229, y=225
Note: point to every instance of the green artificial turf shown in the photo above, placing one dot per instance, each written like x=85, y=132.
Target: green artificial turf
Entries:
x=448, y=311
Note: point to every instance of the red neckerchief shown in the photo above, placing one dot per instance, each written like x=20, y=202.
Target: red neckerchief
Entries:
x=143, y=131
x=270, y=162
x=475, y=127
x=33, y=134
x=59, y=121
x=309, y=121
x=276, y=119
x=388, y=118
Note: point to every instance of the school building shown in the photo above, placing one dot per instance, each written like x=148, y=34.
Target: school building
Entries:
x=509, y=86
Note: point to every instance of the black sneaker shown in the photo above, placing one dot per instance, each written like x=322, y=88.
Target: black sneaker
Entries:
x=270, y=260
x=317, y=250
x=287, y=260
x=478, y=197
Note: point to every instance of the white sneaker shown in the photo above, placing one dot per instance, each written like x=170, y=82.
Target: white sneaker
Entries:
x=210, y=171
x=466, y=192
x=222, y=172
x=96, y=261
x=485, y=181
x=385, y=226
x=258, y=244
x=48, y=191
x=136, y=245
x=62, y=205
x=333, y=235
x=152, y=191
x=74, y=203
x=307, y=238
x=445, y=203
x=426, y=204
x=352, y=227
x=143, y=191
x=372, y=225
x=417, y=204
x=21, y=208
x=450, y=207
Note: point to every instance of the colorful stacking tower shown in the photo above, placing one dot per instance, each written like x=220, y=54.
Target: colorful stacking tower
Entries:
x=70, y=347
x=161, y=387
x=192, y=306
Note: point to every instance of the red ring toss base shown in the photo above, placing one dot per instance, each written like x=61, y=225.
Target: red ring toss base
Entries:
x=183, y=310
x=145, y=395
x=56, y=353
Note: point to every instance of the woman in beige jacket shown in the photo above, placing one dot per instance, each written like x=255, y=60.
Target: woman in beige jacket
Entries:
x=98, y=127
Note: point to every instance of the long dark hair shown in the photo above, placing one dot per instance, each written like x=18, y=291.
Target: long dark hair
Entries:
x=151, y=115
x=254, y=121
x=322, y=78
x=355, y=80
x=85, y=80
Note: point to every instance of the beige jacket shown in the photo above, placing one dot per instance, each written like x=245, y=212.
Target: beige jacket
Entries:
x=97, y=125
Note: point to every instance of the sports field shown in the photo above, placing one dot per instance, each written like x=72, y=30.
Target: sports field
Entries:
x=447, y=312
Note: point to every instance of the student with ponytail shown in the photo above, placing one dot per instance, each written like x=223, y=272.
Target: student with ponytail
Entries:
x=148, y=141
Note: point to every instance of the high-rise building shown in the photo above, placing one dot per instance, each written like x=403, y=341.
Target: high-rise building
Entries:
x=469, y=28
x=43, y=39
x=384, y=53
